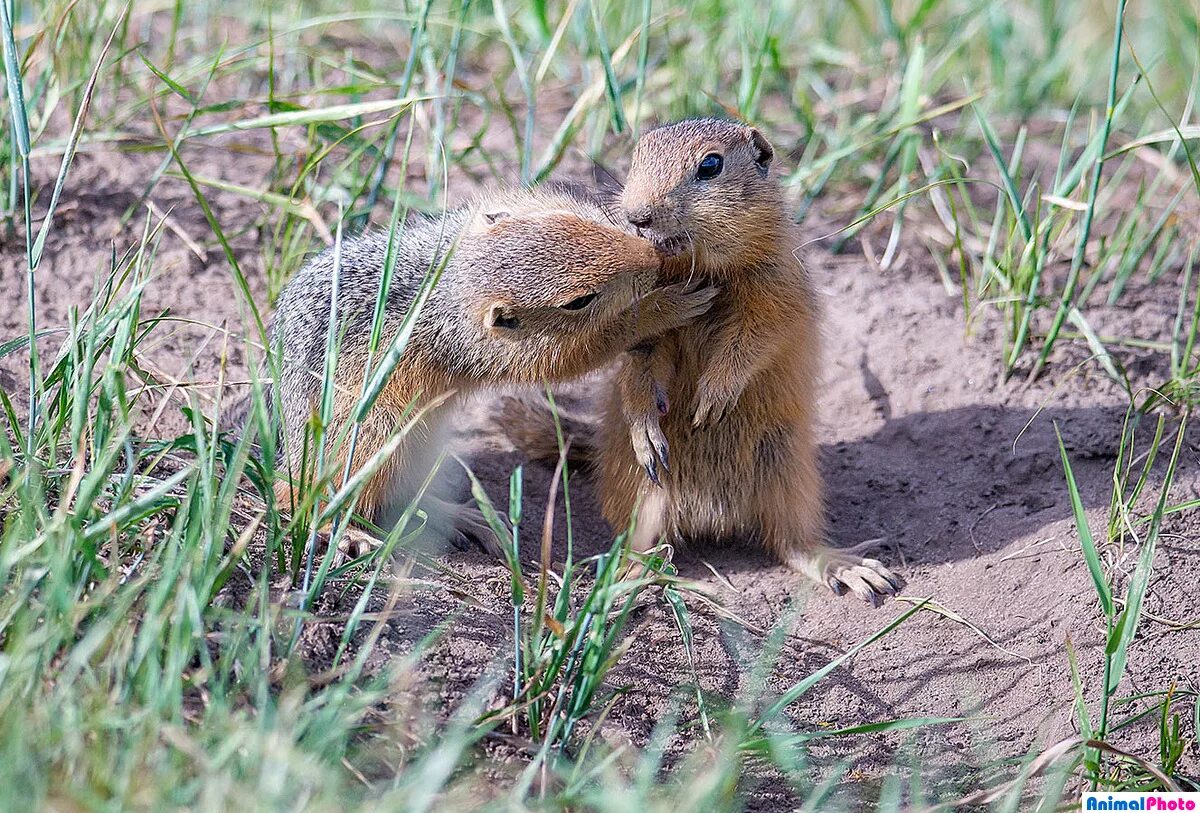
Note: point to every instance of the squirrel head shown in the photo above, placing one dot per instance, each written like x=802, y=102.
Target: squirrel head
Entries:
x=545, y=263
x=702, y=187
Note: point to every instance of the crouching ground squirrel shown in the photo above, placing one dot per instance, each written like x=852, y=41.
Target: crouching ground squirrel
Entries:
x=722, y=411
x=537, y=285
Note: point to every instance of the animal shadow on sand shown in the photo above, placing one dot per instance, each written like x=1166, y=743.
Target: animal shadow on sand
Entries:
x=934, y=486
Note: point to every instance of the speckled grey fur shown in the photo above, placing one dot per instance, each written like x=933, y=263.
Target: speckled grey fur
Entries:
x=301, y=322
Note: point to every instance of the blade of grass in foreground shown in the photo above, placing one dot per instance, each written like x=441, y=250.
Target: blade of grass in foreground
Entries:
x=325, y=412
x=383, y=292
x=1140, y=580
x=1090, y=554
x=1120, y=630
x=800, y=689
x=20, y=154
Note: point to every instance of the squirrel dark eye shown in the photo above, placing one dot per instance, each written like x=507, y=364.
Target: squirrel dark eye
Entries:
x=710, y=166
x=580, y=303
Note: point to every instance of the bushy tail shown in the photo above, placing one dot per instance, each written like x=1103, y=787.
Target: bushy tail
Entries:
x=528, y=423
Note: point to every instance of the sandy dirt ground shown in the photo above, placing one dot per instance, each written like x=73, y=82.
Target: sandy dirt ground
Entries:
x=923, y=445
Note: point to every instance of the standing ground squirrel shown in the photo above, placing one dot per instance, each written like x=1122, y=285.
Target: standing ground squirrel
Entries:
x=538, y=285
x=731, y=397
x=744, y=378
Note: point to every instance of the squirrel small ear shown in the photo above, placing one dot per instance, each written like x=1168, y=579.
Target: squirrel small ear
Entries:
x=498, y=317
x=492, y=217
x=765, y=152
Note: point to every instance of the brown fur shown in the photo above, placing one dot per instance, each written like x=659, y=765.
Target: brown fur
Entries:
x=504, y=311
x=742, y=380
x=529, y=424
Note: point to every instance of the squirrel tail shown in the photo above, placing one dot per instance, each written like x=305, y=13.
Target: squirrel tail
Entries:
x=528, y=423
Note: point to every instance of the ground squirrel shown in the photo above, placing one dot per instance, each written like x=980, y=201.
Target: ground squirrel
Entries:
x=538, y=286
x=730, y=397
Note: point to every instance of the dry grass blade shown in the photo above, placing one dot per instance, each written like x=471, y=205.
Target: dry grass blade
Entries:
x=949, y=614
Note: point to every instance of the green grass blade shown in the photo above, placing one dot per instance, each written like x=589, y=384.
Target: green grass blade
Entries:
x=1127, y=625
x=1068, y=295
x=316, y=115
x=802, y=687
x=39, y=244
x=16, y=90
x=1090, y=554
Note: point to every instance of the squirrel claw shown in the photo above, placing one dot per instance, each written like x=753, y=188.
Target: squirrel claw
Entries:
x=660, y=399
x=704, y=411
x=709, y=413
x=866, y=578
x=842, y=571
x=712, y=403
x=706, y=414
x=650, y=446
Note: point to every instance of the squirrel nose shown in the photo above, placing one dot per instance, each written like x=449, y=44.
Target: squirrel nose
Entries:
x=640, y=217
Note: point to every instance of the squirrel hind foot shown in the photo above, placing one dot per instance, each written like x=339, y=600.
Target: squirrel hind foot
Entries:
x=528, y=424
x=843, y=571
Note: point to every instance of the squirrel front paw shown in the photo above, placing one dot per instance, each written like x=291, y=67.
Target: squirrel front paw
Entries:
x=713, y=400
x=649, y=443
x=679, y=304
x=650, y=447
